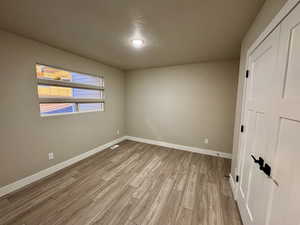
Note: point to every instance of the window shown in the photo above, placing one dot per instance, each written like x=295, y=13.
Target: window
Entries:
x=62, y=91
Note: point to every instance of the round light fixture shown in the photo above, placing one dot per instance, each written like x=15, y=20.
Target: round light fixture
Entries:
x=137, y=43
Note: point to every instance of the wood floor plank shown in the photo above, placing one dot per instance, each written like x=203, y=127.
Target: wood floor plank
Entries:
x=184, y=217
x=4, y=204
x=189, y=196
x=145, y=172
x=121, y=167
x=155, y=210
x=134, y=184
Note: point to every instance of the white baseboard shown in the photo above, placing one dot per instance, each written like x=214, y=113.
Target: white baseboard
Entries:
x=181, y=147
x=232, y=185
x=46, y=172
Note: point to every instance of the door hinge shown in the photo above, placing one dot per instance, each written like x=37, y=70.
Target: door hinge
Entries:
x=247, y=73
x=242, y=128
x=237, y=178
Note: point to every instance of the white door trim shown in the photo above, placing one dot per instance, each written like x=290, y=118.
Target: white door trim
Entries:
x=285, y=10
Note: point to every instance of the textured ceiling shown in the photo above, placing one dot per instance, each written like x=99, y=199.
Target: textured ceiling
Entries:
x=175, y=31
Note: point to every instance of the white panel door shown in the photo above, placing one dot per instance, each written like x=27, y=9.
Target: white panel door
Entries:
x=254, y=187
x=272, y=117
x=285, y=200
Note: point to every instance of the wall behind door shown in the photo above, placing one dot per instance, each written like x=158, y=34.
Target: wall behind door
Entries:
x=183, y=104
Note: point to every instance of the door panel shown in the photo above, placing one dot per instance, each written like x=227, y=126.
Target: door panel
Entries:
x=273, y=129
x=256, y=195
x=284, y=204
x=254, y=188
x=261, y=67
x=293, y=66
x=286, y=196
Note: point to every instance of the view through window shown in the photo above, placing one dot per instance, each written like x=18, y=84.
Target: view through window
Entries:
x=62, y=91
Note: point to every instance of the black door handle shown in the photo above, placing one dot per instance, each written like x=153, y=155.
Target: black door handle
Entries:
x=254, y=159
x=260, y=161
x=267, y=169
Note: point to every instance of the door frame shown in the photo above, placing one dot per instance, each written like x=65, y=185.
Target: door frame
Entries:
x=280, y=16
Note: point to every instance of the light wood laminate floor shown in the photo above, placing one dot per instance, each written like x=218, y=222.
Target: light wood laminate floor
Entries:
x=135, y=184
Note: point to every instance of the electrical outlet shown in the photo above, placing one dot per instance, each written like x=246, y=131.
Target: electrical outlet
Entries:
x=51, y=155
x=205, y=140
x=118, y=132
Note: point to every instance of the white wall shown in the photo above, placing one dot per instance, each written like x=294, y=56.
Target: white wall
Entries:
x=183, y=104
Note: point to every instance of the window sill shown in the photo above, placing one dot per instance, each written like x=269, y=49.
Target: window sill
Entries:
x=71, y=113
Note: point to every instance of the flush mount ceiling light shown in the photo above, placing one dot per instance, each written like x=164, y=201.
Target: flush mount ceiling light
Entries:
x=137, y=43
